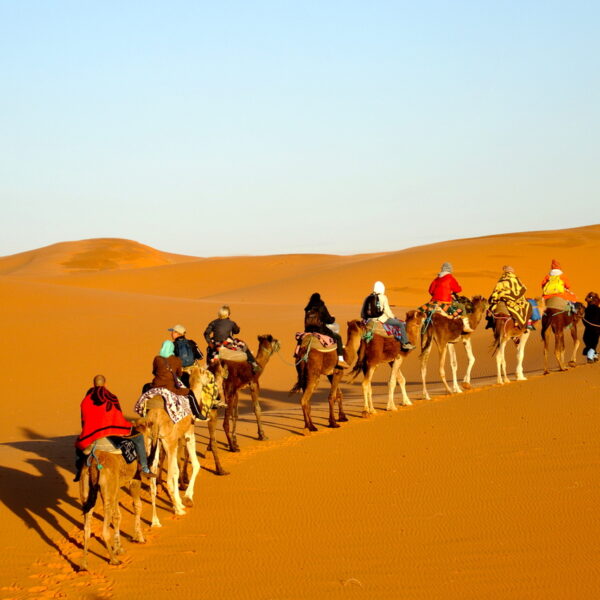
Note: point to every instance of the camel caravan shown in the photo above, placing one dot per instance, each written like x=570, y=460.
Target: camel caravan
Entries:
x=159, y=448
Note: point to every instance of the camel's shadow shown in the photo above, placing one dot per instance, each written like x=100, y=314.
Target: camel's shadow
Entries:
x=39, y=498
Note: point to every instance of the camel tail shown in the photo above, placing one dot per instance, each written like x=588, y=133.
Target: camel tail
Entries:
x=300, y=385
x=93, y=488
x=360, y=365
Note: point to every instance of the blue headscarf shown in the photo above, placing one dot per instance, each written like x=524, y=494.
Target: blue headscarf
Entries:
x=167, y=349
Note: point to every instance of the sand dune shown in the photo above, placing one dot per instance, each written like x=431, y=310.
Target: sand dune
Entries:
x=493, y=493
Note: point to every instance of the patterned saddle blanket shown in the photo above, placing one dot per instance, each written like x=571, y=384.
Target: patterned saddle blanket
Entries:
x=313, y=341
x=375, y=327
x=177, y=407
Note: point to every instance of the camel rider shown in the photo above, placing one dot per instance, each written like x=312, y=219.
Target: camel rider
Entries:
x=187, y=350
x=510, y=292
x=443, y=290
x=316, y=319
x=555, y=284
x=379, y=299
x=168, y=370
x=101, y=416
x=221, y=331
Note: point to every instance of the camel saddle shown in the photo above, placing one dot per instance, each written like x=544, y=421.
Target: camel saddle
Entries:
x=377, y=328
x=102, y=445
x=317, y=342
x=232, y=355
x=557, y=303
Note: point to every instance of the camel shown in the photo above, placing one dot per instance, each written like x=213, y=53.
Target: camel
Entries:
x=107, y=473
x=505, y=328
x=559, y=320
x=241, y=375
x=446, y=333
x=316, y=362
x=161, y=432
x=382, y=349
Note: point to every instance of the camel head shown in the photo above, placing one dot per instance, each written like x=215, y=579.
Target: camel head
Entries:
x=593, y=298
x=579, y=310
x=268, y=343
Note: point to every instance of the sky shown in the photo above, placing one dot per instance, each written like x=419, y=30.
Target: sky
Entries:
x=264, y=127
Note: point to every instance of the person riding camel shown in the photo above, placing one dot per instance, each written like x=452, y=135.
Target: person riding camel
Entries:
x=443, y=290
x=186, y=349
x=102, y=417
x=167, y=370
x=221, y=332
x=591, y=324
x=316, y=320
x=377, y=307
x=556, y=284
x=509, y=295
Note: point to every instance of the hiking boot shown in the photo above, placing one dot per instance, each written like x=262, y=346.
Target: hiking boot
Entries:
x=255, y=367
x=342, y=364
x=219, y=404
x=408, y=346
x=148, y=473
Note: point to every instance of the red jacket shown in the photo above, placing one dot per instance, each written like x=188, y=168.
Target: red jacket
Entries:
x=441, y=288
x=100, y=416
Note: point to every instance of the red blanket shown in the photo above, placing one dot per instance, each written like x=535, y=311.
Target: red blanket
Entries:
x=101, y=415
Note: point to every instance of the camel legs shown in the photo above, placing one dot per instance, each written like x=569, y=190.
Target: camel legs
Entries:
x=153, y=485
x=135, y=489
x=335, y=380
x=520, y=354
x=454, y=366
x=331, y=399
x=212, y=444
x=231, y=413
x=396, y=376
x=559, y=349
x=84, y=492
x=368, y=408
x=311, y=384
x=109, y=488
x=254, y=391
x=190, y=443
x=502, y=377
x=424, y=361
x=173, y=477
x=443, y=352
x=471, y=362
x=573, y=361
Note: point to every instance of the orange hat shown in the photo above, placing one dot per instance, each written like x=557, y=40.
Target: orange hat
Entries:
x=555, y=264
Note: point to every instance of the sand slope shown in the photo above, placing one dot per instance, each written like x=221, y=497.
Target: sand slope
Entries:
x=493, y=493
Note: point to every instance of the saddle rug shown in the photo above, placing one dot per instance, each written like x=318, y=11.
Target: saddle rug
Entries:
x=102, y=445
x=306, y=341
x=233, y=355
x=558, y=303
x=375, y=327
x=177, y=407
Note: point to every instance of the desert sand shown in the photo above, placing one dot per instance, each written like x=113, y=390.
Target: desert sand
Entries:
x=492, y=493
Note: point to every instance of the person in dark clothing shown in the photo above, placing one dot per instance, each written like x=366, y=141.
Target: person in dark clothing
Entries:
x=316, y=319
x=591, y=324
x=185, y=349
x=222, y=331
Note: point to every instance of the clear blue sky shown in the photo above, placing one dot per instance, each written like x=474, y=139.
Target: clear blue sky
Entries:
x=258, y=127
